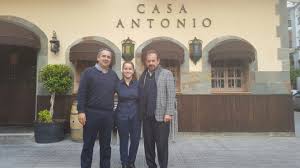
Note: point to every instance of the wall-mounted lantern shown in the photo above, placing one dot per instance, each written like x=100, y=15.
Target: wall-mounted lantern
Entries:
x=128, y=49
x=195, y=47
x=54, y=43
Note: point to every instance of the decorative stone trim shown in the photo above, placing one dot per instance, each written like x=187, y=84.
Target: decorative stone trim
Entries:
x=218, y=41
x=116, y=50
x=42, y=57
x=138, y=54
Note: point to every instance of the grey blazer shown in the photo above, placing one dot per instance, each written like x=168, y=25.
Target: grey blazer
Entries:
x=166, y=92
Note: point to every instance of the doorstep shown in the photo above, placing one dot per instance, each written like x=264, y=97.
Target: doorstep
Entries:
x=16, y=134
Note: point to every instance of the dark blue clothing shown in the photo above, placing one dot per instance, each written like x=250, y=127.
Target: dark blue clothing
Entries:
x=130, y=128
x=127, y=99
x=128, y=122
x=150, y=90
x=96, y=90
x=95, y=99
x=97, y=124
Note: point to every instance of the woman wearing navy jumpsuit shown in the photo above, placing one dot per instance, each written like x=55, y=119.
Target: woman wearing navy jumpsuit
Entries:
x=128, y=122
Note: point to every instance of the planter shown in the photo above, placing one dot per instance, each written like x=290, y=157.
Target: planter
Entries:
x=48, y=132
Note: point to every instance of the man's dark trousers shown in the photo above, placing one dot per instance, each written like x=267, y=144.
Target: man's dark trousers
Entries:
x=97, y=122
x=156, y=133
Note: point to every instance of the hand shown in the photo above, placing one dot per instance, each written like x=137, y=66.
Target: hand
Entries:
x=82, y=118
x=167, y=118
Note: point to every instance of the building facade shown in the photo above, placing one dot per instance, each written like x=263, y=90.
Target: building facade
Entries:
x=240, y=84
x=294, y=37
x=294, y=32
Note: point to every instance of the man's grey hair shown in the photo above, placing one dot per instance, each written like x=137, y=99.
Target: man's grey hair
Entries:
x=105, y=49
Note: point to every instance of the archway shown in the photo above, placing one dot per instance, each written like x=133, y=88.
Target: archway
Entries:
x=173, y=56
x=231, y=61
x=83, y=54
x=23, y=50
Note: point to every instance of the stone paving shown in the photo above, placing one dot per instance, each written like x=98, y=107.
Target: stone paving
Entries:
x=189, y=151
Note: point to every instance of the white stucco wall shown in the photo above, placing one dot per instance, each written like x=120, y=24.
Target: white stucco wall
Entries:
x=254, y=21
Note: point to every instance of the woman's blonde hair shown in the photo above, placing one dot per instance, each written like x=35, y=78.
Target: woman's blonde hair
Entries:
x=134, y=76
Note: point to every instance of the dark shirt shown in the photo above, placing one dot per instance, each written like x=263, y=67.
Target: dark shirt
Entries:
x=150, y=95
x=127, y=100
x=96, y=90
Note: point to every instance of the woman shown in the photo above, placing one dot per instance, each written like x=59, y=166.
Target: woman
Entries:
x=128, y=122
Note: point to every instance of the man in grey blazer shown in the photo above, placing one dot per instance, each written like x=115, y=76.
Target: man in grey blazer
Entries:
x=156, y=108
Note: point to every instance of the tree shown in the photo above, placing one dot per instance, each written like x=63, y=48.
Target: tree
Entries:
x=57, y=79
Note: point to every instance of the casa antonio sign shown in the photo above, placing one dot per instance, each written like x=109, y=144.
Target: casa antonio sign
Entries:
x=142, y=9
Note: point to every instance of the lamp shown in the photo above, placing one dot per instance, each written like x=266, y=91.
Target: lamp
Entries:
x=128, y=49
x=195, y=47
x=54, y=43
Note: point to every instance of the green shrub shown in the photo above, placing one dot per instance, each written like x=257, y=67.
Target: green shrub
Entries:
x=56, y=78
x=44, y=116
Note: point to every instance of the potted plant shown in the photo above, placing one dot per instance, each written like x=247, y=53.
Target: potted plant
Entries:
x=46, y=130
x=57, y=79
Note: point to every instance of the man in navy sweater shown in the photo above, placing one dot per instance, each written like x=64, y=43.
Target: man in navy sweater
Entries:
x=95, y=108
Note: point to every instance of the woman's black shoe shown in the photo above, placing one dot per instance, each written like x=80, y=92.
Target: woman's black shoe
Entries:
x=124, y=166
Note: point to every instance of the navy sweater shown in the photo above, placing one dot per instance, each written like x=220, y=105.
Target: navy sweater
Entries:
x=96, y=90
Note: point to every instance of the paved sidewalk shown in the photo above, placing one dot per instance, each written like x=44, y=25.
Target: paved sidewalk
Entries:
x=297, y=123
x=189, y=151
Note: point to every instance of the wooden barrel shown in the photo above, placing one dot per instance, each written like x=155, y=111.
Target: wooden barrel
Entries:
x=75, y=126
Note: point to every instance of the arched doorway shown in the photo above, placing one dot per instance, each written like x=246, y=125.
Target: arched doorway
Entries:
x=19, y=49
x=172, y=56
x=231, y=62
x=83, y=54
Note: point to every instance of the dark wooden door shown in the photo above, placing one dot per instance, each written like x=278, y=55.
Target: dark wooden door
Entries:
x=17, y=85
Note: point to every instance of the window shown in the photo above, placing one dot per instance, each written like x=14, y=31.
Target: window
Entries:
x=228, y=75
x=290, y=23
x=298, y=19
x=12, y=72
